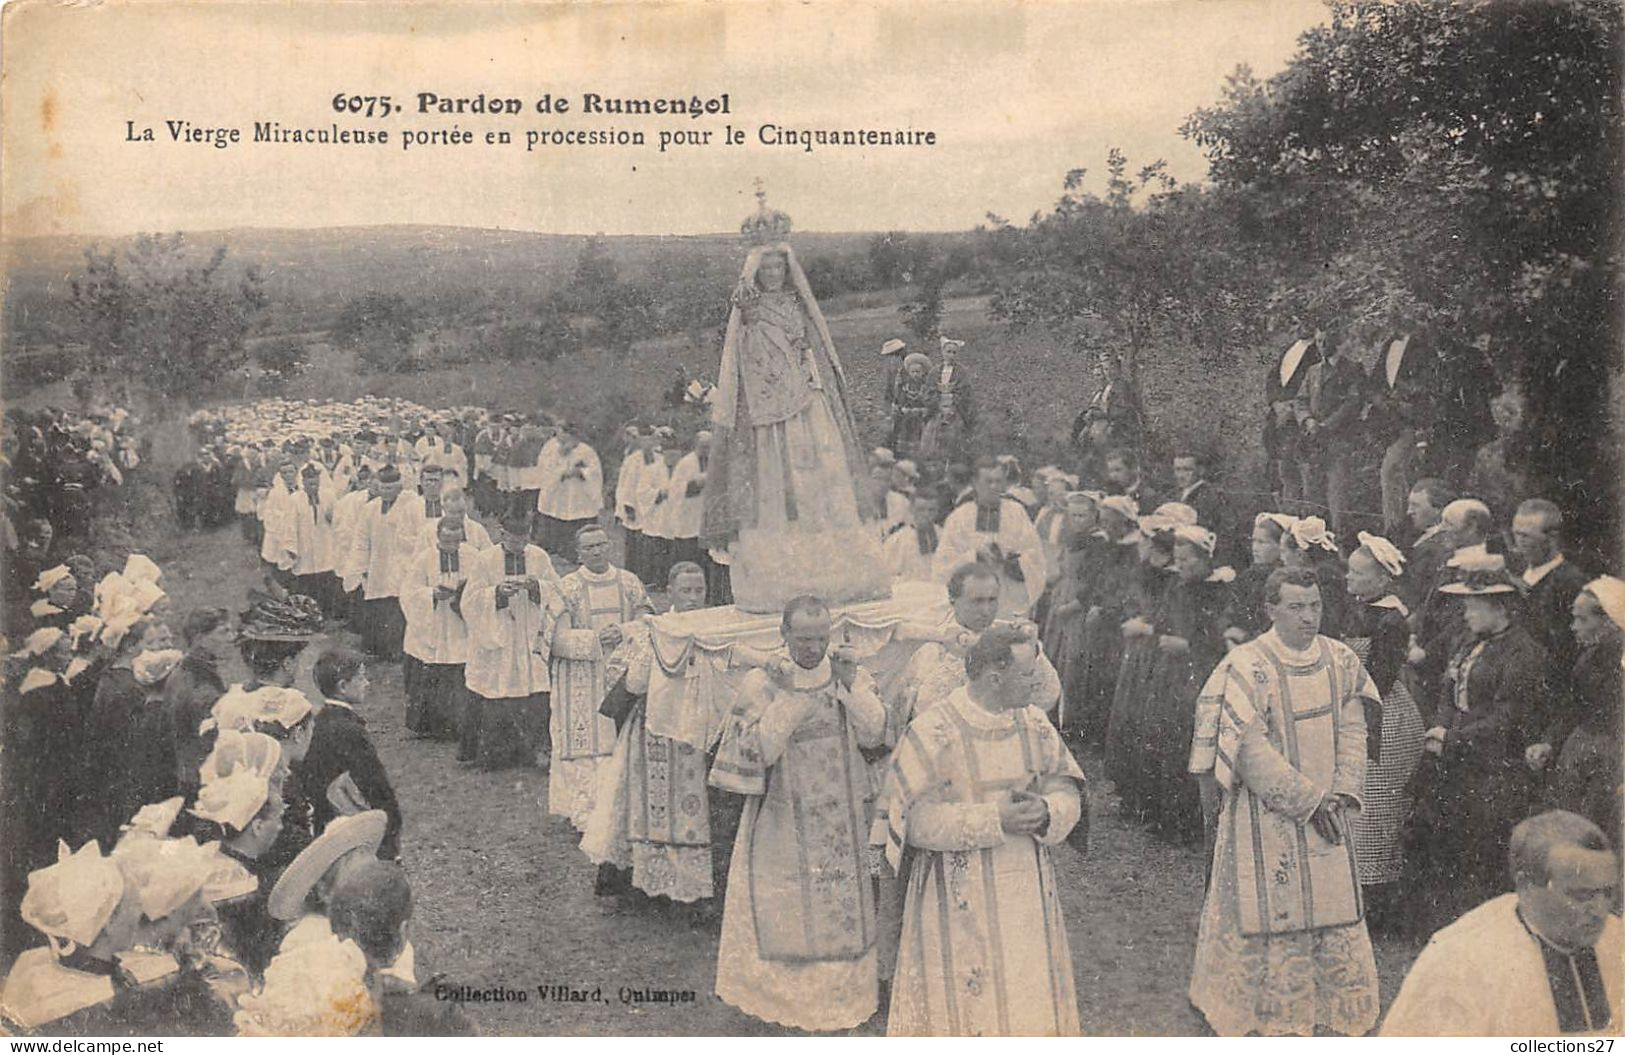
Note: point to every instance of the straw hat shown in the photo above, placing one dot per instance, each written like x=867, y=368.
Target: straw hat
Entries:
x=358, y=831
x=1610, y=595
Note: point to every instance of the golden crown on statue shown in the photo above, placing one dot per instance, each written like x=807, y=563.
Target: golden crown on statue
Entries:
x=766, y=226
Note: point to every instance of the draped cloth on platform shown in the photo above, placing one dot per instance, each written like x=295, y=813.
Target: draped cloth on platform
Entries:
x=681, y=664
x=651, y=811
x=692, y=692
x=785, y=488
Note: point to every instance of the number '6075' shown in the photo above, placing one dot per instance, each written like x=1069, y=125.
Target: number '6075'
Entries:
x=364, y=105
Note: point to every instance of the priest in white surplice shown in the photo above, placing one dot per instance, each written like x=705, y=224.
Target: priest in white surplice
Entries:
x=505, y=603
x=629, y=508
x=1543, y=961
x=274, y=510
x=979, y=789
x=436, y=644
x=656, y=501
x=347, y=513
x=995, y=530
x=437, y=447
x=303, y=536
x=572, y=489
x=937, y=667
x=386, y=533
x=591, y=613
x=910, y=549
x=798, y=918
x=426, y=508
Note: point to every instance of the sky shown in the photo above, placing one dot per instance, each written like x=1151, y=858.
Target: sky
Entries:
x=1017, y=93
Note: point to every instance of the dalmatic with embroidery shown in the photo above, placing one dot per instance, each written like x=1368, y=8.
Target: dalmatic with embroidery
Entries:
x=586, y=603
x=652, y=811
x=1282, y=946
x=984, y=949
x=798, y=929
x=1290, y=879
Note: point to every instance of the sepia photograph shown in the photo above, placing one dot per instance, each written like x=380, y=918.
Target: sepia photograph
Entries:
x=759, y=519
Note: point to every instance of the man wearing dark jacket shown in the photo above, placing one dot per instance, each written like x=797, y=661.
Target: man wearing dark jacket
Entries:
x=1550, y=581
x=342, y=770
x=1328, y=411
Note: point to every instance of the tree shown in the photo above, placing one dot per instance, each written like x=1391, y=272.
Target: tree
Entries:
x=381, y=328
x=1148, y=266
x=824, y=276
x=1454, y=166
x=596, y=279
x=893, y=258
x=375, y=315
x=543, y=337
x=923, y=314
x=283, y=358
x=174, y=319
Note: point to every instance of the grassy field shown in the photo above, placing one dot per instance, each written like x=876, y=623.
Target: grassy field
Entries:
x=1027, y=387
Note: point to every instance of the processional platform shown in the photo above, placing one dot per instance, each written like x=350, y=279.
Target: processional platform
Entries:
x=692, y=690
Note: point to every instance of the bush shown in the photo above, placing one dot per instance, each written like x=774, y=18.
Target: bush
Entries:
x=382, y=355
x=283, y=358
x=375, y=317
x=40, y=365
x=157, y=311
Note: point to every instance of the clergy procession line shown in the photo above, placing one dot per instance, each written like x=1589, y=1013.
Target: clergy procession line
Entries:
x=867, y=796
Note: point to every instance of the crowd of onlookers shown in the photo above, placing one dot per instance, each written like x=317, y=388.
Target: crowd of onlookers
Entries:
x=186, y=853
x=57, y=464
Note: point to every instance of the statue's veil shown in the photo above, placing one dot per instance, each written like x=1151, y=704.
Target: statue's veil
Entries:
x=725, y=401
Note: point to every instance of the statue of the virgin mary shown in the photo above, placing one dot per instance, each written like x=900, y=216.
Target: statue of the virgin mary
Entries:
x=784, y=492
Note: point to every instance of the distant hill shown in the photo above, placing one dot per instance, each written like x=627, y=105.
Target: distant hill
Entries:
x=310, y=273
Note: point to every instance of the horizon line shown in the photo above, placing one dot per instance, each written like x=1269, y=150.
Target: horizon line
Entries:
x=8, y=237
